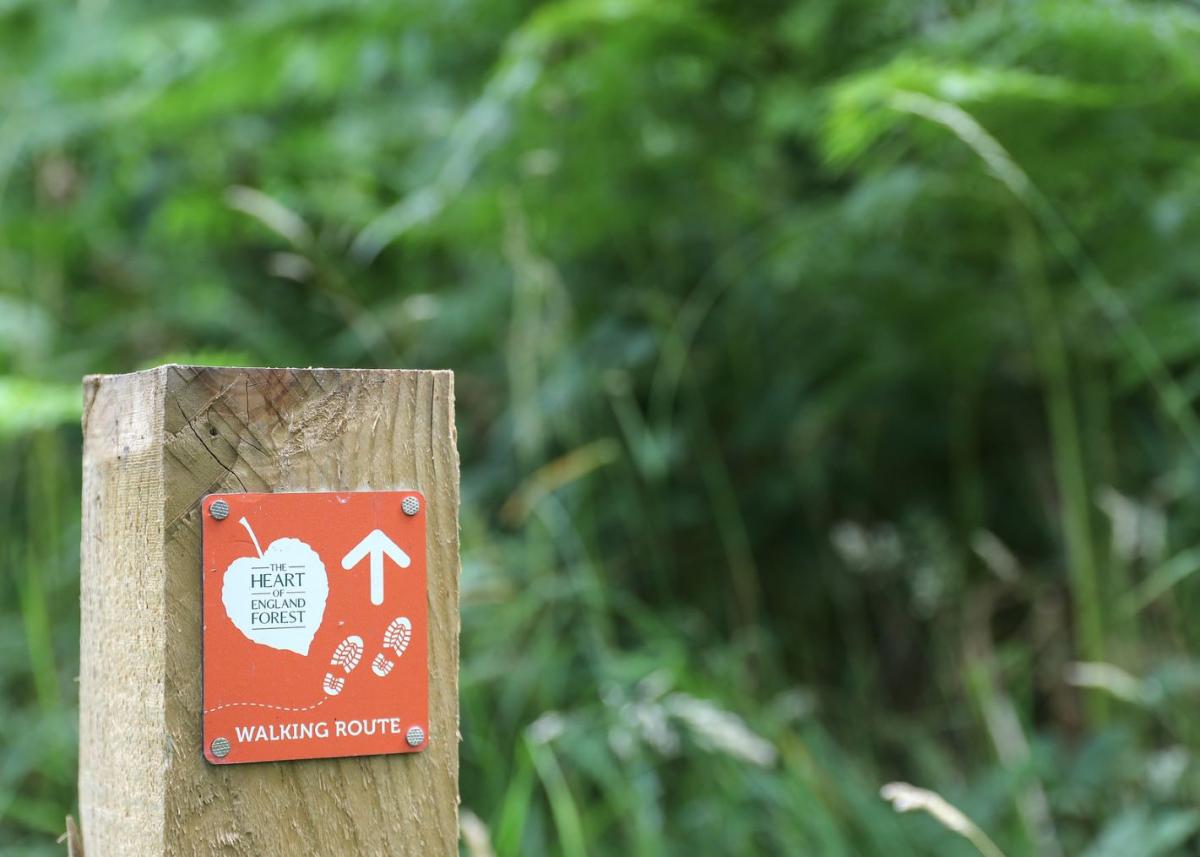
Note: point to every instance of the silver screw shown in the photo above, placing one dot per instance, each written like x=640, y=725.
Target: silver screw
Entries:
x=219, y=510
x=411, y=506
x=221, y=747
x=415, y=736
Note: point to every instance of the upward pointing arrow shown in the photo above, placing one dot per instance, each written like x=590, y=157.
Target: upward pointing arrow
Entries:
x=377, y=545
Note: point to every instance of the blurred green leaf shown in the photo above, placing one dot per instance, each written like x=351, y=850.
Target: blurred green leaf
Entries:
x=1145, y=832
x=28, y=405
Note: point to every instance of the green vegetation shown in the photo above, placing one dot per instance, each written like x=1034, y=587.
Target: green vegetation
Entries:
x=826, y=371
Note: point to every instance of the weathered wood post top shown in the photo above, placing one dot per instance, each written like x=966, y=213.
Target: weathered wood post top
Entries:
x=269, y=600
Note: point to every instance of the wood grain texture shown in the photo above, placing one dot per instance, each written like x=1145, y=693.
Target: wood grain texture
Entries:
x=155, y=443
x=122, y=731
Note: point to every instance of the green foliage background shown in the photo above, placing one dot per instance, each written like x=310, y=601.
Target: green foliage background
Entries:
x=826, y=373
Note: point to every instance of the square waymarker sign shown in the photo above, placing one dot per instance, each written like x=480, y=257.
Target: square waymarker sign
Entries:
x=315, y=625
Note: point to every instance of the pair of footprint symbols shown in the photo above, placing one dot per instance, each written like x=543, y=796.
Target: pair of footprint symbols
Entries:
x=350, y=651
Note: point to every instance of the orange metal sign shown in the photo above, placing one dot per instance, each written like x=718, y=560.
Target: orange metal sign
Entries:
x=315, y=633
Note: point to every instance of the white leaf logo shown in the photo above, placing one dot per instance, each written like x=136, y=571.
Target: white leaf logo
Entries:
x=277, y=599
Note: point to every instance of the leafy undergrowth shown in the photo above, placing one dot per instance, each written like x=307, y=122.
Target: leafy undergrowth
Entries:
x=825, y=371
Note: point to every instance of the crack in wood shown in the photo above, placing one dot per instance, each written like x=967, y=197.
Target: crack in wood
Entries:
x=190, y=425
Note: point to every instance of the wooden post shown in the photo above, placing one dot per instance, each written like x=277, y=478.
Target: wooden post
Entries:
x=155, y=442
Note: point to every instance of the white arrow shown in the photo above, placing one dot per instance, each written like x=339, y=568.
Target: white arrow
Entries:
x=377, y=544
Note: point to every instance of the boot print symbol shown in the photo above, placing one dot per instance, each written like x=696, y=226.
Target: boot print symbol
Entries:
x=396, y=638
x=346, y=657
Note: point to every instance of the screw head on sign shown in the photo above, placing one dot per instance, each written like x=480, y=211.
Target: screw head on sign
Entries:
x=411, y=506
x=219, y=510
x=415, y=736
x=221, y=747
